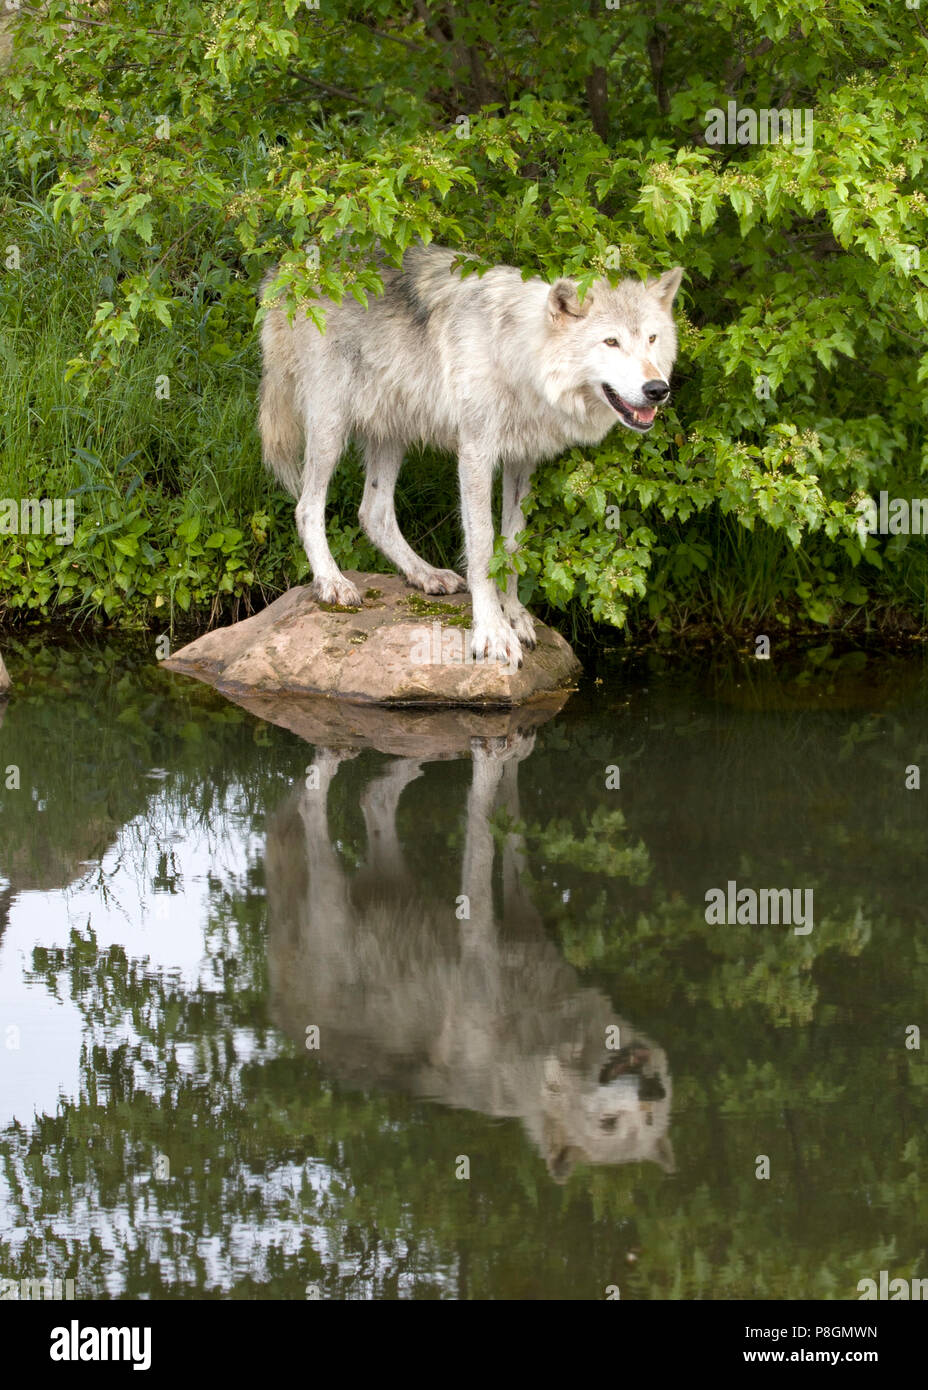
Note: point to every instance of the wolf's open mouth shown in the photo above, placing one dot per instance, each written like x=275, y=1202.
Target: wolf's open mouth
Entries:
x=639, y=417
x=628, y=1061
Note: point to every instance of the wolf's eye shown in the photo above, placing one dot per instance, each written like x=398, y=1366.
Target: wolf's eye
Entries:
x=653, y=338
x=611, y=342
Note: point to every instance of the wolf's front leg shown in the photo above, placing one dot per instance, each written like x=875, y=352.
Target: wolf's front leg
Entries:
x=516, y=484
x=492, y=634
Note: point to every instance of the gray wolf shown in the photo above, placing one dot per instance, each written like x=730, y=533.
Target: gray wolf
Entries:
x=481, y=1013
x=499, y=370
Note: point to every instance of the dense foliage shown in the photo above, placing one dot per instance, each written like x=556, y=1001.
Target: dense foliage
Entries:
x=160, y=158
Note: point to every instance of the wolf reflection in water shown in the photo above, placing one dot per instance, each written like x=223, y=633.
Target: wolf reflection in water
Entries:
x=484, y=1013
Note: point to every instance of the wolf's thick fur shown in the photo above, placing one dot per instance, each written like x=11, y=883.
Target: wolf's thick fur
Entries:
x=500, y=370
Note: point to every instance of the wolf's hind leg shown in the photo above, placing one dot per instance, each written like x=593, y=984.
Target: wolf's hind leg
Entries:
x=323, y=450
x=516, y=485
x=378, y=517
x=379, y=803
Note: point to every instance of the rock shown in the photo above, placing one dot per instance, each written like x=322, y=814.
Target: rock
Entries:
x=5, y=682
x=400, y=648
x=430, y=734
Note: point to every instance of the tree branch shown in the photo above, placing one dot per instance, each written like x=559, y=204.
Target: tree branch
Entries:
x=328, y=87
x=385, y=34
x=98, y=23
x=657, y=51
x=597, y=91
x=737, y=70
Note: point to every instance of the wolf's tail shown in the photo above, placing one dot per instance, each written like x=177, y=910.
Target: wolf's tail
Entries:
x=279, y=423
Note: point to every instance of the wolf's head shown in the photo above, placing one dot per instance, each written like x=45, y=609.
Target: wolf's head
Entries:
x=607, y=1107
x=610, y=357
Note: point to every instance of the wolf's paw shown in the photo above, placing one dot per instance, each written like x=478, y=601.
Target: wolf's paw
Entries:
x=523, y=624
x=326, y=763
x=511, y=747
x=340, y=592
x=329, y=758
x=432, y=581
x=496, y=641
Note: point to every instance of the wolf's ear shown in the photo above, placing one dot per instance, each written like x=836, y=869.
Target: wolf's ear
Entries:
x=563, y=300
x=663, y=1155
x=665, y=287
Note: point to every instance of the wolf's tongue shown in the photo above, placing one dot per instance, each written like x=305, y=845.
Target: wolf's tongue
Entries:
x=644, y=413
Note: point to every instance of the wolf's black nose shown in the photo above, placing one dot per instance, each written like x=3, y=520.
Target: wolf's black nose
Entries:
x=656, y=390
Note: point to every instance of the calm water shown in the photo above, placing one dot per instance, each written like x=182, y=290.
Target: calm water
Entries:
x=387, y=1006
